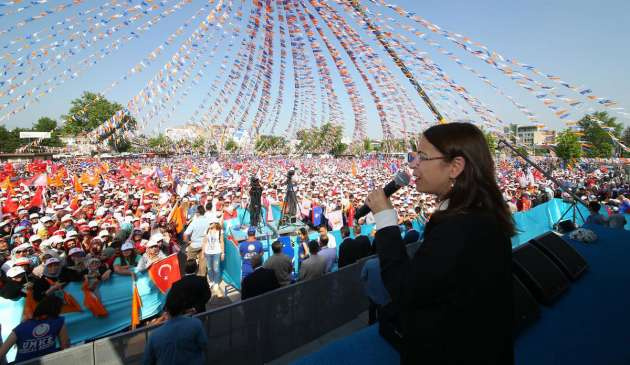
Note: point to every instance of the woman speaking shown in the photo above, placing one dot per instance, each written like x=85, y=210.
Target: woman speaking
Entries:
x=453, y=300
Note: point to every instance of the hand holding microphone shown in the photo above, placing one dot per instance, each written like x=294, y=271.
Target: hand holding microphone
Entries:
x=377, y=200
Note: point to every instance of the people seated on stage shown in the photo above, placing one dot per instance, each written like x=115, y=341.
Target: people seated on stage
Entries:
x=352, y=250
x=328, y=253
x=411, y=235
x=323, y=232
x=280, y=264
x=595, y=217
x=315, y=265
x=260, y=281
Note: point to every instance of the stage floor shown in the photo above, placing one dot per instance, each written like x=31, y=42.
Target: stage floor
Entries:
x=590, y=324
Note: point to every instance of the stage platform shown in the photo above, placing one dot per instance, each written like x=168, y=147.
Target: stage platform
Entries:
x=590, y=324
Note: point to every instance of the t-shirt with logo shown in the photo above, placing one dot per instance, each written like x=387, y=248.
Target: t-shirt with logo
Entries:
x=37, y=337
x=248, y=250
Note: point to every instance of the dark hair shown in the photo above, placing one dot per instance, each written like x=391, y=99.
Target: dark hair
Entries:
x=345, y=231
x=303, y=231
x=594, y=206
x=323, y=241
x=191, y=266
x=201, y=210
x=476, y=187
x=209, y=206
x=132, y=259
x=50, y=307
x=313, y=247
x=276, y=246
x=357, y=229
x=177, y=302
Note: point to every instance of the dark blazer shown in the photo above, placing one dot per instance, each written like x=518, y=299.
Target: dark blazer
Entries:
x=351, y=250
x=259, y=282
x=197, y=290
x=365, y=241
x=412, y=236
x=454, y=297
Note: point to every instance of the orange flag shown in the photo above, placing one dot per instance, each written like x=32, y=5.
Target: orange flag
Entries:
x=77, y=185
x=6, y=184
x=91, y=301
x=177, y=216
x=136, y=304
x=354, y=169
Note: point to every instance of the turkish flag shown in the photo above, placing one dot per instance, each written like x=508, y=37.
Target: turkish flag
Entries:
x=165, y=272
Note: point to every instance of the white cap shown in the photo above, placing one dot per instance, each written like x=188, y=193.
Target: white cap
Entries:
x=152, y=243
x=66, y=218
x=127, y=246
x=157, y=237
x=104, y=233
x=34, y=238
x=92, y=224
x=15, y=271
x=34, y=215
x=52, y=260
x=75, y=250
x=72, y=234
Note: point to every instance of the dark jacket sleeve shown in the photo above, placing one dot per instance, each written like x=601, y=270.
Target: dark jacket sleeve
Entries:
x=393, y=259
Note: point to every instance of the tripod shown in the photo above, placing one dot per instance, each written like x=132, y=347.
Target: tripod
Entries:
x=289, y=205
x=254, y=206
x=576, y=199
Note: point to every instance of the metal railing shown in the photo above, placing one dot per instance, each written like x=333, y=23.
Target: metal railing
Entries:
x=253, y=331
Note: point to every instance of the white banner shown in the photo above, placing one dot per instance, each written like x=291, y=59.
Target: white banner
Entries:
x=39, y=135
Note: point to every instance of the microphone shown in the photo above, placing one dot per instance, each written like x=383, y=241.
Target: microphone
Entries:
x=401, y=179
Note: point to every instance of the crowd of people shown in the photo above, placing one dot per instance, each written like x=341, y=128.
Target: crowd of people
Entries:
x=89, y=220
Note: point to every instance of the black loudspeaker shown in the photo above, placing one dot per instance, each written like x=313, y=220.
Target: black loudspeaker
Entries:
x=539, y=274
x=562, y=254
x=565, y=226
x=526, y=310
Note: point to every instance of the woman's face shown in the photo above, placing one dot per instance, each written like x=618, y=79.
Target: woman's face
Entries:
x=432, y=173
x=127, y=253
x=53, y=268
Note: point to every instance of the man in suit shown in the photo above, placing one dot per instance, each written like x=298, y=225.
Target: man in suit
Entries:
x=351, y=250
x=260, y=281
x=411, y=236
x=195, y=288
x=314, y=266
x=362, y=240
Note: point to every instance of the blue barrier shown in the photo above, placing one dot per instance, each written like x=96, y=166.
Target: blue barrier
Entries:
x=116, y=295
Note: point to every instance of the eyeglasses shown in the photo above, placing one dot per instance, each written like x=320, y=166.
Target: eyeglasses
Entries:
x=420, y=156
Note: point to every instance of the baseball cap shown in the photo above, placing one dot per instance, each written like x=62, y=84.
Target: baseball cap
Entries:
x=15, y=271
x=127, y=246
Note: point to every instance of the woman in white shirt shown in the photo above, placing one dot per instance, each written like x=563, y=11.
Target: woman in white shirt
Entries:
x=214, y=251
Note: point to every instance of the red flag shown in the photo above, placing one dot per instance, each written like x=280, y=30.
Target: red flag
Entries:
x=165, y=272
x=37, y=200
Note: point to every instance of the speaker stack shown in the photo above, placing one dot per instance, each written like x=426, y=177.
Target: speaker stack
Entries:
x=543, y=269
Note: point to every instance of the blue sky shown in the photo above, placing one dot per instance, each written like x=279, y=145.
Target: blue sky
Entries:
x=583, y=42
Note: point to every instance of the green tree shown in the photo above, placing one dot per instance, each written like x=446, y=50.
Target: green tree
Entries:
x=268, y=143
x=160, y=143
x=596, y=128
x=230, y=145
x=491, y=140
x=626, y=137
x=339, y=149
x=46, y=124
x=568, y=145
x=523, y=151
x=320, y=140
x=367, y=145
x=88, y=112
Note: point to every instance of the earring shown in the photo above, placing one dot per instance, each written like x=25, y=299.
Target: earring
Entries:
x=452, y=183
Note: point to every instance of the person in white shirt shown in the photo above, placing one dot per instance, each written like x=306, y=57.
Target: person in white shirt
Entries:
x=323, y=232
x=214, y=252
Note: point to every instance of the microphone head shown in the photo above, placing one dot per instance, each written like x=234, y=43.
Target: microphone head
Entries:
x=402, y=178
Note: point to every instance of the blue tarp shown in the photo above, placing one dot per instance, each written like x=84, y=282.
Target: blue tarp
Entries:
x=116, y=297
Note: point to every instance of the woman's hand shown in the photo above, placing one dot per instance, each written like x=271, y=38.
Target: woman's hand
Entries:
x=377, y=201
